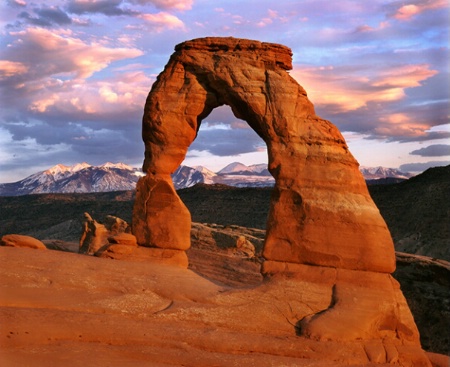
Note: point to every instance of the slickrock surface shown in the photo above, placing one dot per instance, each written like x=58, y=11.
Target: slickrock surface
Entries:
x=59, y=308
x=17, y=240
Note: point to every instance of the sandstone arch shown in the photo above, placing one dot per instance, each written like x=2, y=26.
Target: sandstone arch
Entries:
x=321, y=212
x=323, y=228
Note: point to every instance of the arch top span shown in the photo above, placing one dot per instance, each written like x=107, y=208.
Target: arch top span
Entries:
x=320, y=213
x=272, y=53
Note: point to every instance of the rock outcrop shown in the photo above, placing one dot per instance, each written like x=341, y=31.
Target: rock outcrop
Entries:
x=244, y=247
x=94, y=235
x=323, y=228
x=319, y=191
x=17, y=240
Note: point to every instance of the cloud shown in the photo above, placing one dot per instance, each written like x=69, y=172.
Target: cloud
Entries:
x=51, y=53
x=437, y=150
x=53, y=15
x=50, y=97
x=408, y=11
x=47, y=17
x=224, y=140
x=167, y=4
x=420, y=167
x=93, y=146
x=349, y=88
x=373, y=100
x=105, y=7
x=18, y=3
x=117, y=101
x=9, y=69
x=162, y=21
x=222, y=134
x=424, y=136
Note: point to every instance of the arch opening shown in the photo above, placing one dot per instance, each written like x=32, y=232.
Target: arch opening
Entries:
x=222, y=139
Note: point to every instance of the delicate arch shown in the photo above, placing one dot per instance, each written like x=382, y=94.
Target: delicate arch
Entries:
x=321, y=212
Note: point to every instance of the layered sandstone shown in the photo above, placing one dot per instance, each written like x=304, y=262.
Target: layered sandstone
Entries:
x=323, y=228
x=321, y=212
x=17, y=240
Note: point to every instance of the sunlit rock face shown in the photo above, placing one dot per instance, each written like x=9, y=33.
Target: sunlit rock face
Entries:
x=321, y=212
x=323, y=228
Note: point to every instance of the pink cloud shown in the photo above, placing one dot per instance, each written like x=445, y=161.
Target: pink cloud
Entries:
x=349, y=90
x=408, y=11
x=49, y=53
x=125, y=92
x=11, y=68
x=400, y=124
x=162, y=21
x=272, y=16
x=406, y=76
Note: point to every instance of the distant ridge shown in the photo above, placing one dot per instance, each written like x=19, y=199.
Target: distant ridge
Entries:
x=85, y=178
x=79, y=178
x=257, y=175
x=373, y=173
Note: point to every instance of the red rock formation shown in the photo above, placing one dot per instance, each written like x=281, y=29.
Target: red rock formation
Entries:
x=321, y=212
x=323, y=226
x=18, y=240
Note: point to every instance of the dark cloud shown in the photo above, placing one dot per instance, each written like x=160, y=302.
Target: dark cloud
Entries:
x=33, y=20
x=105, y=7
x=46, y=16
x=53, y=14
x=420, y=167
x=432, y=135
x=437, y=150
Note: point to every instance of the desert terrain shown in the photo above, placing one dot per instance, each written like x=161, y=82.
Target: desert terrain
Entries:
x=59, y=307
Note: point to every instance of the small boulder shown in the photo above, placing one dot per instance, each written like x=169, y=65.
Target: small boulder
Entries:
x=116, y=225
x=244, y=247
x=17, y=240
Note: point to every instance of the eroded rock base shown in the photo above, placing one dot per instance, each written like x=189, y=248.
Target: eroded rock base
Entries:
x=362, y=305
x=160, y=218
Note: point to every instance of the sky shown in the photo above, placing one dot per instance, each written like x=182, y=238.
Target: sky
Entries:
x=75, y=74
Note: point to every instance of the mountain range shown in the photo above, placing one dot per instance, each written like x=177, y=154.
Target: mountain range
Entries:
x=85, y=178
x=79, y=178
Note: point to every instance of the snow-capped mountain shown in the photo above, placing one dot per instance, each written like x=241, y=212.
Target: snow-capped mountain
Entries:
x=186, y=176
x=374, y=173
x=235, y=174
x=257, y=175
x=79, y=178
x=83, y=178
x=237, y=168
x=208, y=175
